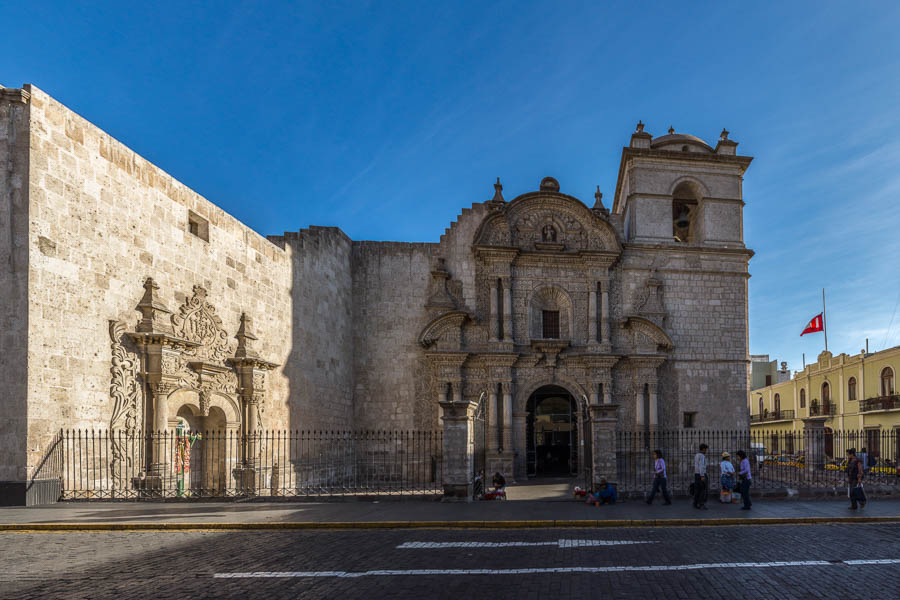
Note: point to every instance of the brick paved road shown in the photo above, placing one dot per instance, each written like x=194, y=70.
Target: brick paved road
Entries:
x=184, y=564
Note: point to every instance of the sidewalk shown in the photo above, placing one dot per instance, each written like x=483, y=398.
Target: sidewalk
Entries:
x=421, y=513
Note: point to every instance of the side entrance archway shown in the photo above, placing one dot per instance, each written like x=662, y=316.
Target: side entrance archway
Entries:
x=551, y=433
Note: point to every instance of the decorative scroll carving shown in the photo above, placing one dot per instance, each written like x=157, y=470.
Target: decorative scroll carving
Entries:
x=124, y=390
x=223, y=382
x=259, y=380
x=169, y=364
x=648, y=301
x=197, y=321
x=204, y=402
x=447, y=329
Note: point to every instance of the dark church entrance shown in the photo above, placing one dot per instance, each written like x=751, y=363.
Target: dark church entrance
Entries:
x=551, y=433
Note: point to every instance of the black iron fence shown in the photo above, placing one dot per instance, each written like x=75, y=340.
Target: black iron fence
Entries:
x=778, y=459
x=116, y=465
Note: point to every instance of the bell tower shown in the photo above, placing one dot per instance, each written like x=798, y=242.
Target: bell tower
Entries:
x=677, y=189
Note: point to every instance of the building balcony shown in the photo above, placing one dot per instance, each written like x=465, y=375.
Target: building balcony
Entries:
x=781, y=415
x=880, y=403
x=824, y=410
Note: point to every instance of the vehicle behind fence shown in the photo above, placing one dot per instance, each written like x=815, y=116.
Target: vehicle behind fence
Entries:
x=116, y=465
x=778, y=459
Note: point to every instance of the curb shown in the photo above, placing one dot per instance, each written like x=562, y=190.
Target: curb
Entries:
x=535, y=524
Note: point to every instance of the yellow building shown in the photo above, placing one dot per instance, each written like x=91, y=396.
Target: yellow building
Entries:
x=854, y=395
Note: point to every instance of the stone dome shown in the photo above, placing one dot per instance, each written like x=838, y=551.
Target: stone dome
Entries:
x=677, y=141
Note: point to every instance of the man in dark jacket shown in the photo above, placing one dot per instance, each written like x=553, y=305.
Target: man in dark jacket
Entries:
x=854, y=480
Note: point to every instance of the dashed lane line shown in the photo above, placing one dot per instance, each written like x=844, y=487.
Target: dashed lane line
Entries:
x=557, y=543
x=554, y=570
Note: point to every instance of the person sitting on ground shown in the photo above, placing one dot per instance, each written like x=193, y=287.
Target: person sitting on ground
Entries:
x=606, y=494
x=499, y=482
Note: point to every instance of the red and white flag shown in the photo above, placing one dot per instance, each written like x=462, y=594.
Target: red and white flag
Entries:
x=815, y=325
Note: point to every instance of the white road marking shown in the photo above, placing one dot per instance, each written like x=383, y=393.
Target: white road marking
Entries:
x=548, y=570
x=557, y=543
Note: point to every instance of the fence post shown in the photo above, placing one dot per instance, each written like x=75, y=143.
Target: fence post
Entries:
x=458, y=450
x=603, y=444
x=814, y=448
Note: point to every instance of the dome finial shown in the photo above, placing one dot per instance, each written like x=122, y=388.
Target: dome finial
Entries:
x=498, y=192
x=598, y=204
x=639, y=128
x=724, y=134
x=671, y=129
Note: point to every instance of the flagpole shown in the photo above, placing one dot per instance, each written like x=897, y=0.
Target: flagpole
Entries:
x=824, y=320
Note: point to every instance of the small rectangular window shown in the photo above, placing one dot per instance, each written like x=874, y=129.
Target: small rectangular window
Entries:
x=198, y=226
x=551, y=324
x=768, y=380
x=690, y=418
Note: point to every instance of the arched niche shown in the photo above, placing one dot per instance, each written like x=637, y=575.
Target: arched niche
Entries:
x=550, y=299
x=687, y=197
x=221, y=411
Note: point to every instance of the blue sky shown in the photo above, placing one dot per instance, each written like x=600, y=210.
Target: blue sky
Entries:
x=385, y=119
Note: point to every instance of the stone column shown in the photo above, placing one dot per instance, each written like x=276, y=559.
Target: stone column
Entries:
x=603, y=428
x=495, y=323
x=814, y=447
x=493, y=421
x=458, y=447
x=159, y=438
x=607, y=392
x=592, y=316
x=640, y=421
x=604, y=313
x=595, y=396
x=654, y=407
x=519, y=442
x=457, y=390
x=507, y=310
x=507, y=416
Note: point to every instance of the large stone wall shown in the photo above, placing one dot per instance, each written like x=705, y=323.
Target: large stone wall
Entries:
x=14, y=141
x=319, y=363
x=392, y=388
x=102, y=220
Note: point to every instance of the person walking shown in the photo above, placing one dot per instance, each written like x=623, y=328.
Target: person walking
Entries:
x=700, y=482
x=746, y=478
x=659, y=479
x=854, y=480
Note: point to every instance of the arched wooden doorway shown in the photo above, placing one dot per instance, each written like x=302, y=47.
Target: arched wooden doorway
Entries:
x=551, y=433
x=829, y=443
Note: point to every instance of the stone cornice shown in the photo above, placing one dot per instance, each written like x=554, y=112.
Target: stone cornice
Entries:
x=646, y=361
x=593, y=361
x=161, y=339
x=689, y=248
x=15, y=95
x=452, y=359
x=493, y=359
x=495, y=254
x=253, y=362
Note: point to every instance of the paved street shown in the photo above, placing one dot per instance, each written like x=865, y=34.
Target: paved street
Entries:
x=673, y=562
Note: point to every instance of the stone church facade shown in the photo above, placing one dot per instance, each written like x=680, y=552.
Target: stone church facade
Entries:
x=130, y=302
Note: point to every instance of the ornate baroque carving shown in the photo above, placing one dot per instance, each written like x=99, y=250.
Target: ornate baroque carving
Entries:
x=124, y=390
x=197, y=321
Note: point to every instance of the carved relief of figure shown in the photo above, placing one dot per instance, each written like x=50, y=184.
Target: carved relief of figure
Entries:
x=548, y=233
